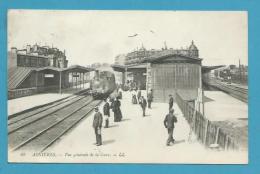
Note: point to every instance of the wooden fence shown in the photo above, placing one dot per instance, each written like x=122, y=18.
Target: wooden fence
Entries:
x=206, y=131
x=16, y=93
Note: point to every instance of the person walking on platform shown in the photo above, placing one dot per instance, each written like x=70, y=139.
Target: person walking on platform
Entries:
x=112, y=103
x=97, y=124
x=170, y=102
x=143, y=104
x=150, y=98
x=117, y=110
x=139, y=94
x=120, y=93
x=169, y=122
x=106, y=112
x=134, y=99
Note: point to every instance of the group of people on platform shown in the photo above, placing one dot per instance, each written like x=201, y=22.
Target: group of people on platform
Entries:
x=137, y=98
x=170, y=118
x=114, y=104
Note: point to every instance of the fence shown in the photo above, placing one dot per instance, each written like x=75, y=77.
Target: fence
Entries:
x=16, y=93
x=206, y=131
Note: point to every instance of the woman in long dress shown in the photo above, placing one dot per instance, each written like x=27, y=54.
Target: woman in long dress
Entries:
x=120, y=93
x=117, y=110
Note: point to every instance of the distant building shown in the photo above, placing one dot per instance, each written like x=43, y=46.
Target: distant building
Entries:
x=37, y=56
x=26, y=66
x=120, y=59
x=139, y=55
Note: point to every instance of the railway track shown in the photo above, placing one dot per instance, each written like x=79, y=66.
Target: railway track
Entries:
x=38, y=130
x=41, y=111
x=235, y=91
x=35, y=110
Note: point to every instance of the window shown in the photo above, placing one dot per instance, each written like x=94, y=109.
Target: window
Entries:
x=27, y=61
x=33, y=62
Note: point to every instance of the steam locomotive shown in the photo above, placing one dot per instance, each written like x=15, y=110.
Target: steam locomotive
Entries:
x=103, y=84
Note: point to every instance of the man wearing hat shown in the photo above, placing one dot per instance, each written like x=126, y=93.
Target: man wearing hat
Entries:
x=150, y=98
x=106, y=112
x=170, y=102
x=97, y=124
x=169, y=122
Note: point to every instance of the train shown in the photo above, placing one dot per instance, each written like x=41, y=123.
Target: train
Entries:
x=103, y=84
x=232, y=74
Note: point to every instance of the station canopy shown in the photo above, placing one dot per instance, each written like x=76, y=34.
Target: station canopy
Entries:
x=129, y=68
x=73, y=68
x=169, y=57
x=206, y=69
x=78, y=68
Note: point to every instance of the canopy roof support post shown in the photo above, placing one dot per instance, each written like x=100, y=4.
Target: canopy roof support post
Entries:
x=60, y=84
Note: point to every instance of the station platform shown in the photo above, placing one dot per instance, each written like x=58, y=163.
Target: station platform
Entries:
x=220, y=106
x=24, y=103
x=229, y=114
x=27, y=102
x=136, y=139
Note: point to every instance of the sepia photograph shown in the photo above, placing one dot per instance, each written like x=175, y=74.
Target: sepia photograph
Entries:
x=127, y=86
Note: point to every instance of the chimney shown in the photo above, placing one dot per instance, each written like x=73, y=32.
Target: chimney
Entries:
x=35, y=48
x=28, y=49
x=14, y=50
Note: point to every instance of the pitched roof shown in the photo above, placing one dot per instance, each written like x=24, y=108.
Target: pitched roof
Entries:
x=17, y=75
x=78, y=68
x=162, y=56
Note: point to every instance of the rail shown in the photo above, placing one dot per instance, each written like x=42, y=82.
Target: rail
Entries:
x=238, y=92
x=206, y=131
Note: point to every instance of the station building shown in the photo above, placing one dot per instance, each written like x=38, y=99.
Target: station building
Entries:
x=41, y=68
x=166, y=71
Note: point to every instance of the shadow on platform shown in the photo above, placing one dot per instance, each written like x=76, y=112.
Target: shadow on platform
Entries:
x=207, y=99
x=108, y=142
x=178, y=142
x=147, y=115
x=126, y=119
x=111, y=126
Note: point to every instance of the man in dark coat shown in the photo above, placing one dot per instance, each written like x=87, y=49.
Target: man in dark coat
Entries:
x=143, y=104
x=150, y=98
x=139, y=93
x=97, y=124
x=112, y=106
x=106, y=111
x=169, y=122
x=170, y=102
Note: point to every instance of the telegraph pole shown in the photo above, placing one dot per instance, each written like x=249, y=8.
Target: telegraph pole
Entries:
x=240, y=75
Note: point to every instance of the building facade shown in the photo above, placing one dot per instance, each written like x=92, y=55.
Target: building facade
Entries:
x=174, y=73
x=139, y=55
x=37, y=56
x=165, y=71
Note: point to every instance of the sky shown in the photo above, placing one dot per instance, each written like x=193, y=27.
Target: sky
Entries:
x=99, y=36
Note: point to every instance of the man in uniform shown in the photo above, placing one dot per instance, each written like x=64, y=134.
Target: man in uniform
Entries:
x=97, y=124
x=150, y=98
x=169, y=121
x=106, y=112
x=170, y=102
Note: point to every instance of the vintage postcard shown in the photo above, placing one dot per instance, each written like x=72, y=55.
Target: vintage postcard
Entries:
x=114, y=86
